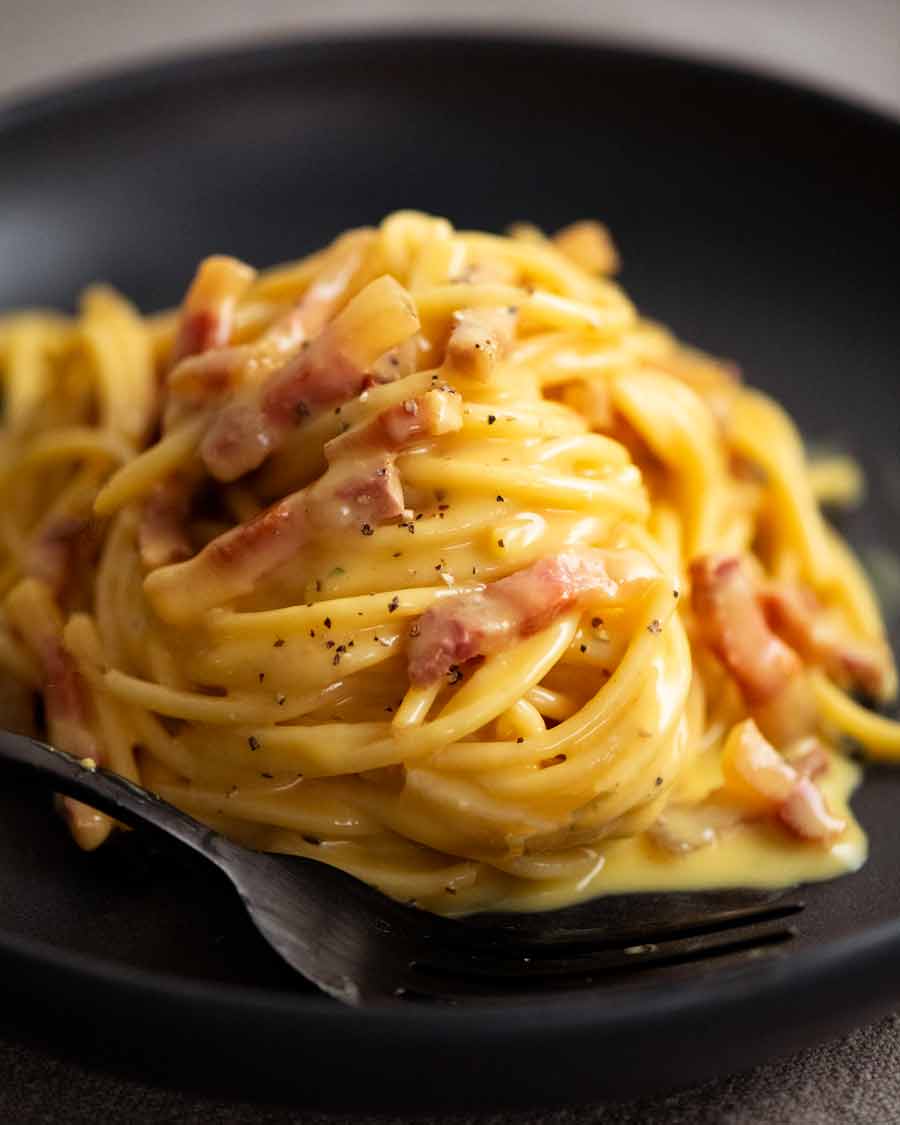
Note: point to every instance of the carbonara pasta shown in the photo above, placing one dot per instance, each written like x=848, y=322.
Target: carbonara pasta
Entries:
x=428, y=557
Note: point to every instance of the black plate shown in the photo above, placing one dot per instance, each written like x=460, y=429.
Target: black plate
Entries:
x=756, y=218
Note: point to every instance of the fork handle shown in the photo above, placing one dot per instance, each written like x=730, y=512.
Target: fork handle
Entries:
x=108, y=792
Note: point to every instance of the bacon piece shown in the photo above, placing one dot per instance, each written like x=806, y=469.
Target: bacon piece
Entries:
x=806, y=813
x=200, y=378
x=753, y=768
x=207, y=313
x=436, y=412
x=807, y=757
x=162, y=532
x=347, y=495
x=56, y=550
x=769, y=783
x=332, y=369
x=489, y=620
x=733, y=625
x=796, y=615
x=480, y=338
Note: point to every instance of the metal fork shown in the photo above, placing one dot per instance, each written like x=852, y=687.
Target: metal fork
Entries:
x=361, y=947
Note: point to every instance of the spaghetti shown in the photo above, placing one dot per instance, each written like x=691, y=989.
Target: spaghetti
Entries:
x=427, y=557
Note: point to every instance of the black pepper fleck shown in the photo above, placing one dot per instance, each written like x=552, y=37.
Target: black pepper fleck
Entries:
x=279, y=643
x=367, y=529
x=253, y=742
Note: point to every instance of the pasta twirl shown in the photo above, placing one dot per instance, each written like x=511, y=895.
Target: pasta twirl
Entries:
x=428, y=557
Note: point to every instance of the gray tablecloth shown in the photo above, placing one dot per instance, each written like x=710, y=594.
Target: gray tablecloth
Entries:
x=853, y=1081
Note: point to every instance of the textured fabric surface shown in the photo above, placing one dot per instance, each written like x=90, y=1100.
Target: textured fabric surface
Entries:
x=852, y=1081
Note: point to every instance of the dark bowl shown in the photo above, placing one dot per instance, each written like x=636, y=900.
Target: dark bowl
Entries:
x=757, y=218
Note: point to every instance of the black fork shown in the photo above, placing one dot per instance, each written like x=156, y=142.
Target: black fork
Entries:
x=364, y=948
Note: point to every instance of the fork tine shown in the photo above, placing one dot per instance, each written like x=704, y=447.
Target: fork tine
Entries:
x=509, y=965
x=464, y=936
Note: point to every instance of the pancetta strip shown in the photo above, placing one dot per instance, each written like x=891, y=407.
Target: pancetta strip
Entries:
x=479, y=339
x=430, y=415
x=207, y=313
x=163, y=529
x=733, y=625
x=349, y=495
x=796, y=615
x=489, y=620
x=332, y=369
x=54, y=554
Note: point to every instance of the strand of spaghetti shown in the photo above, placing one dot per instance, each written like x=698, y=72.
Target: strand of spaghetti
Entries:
x=610, y=702
x=621, y=491
x=544, y=267
x=489, y=691
x=233, y=709
x=73, y=443
x=26, y=364
x=763, y=433
x=879, y=736
x=278, y=806
x=82, y=640
x=135, y=479
x=344, y=613
x=676, y=424
x=121, y=360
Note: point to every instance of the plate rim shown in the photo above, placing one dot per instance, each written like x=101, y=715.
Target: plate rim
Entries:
x=823, y=967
